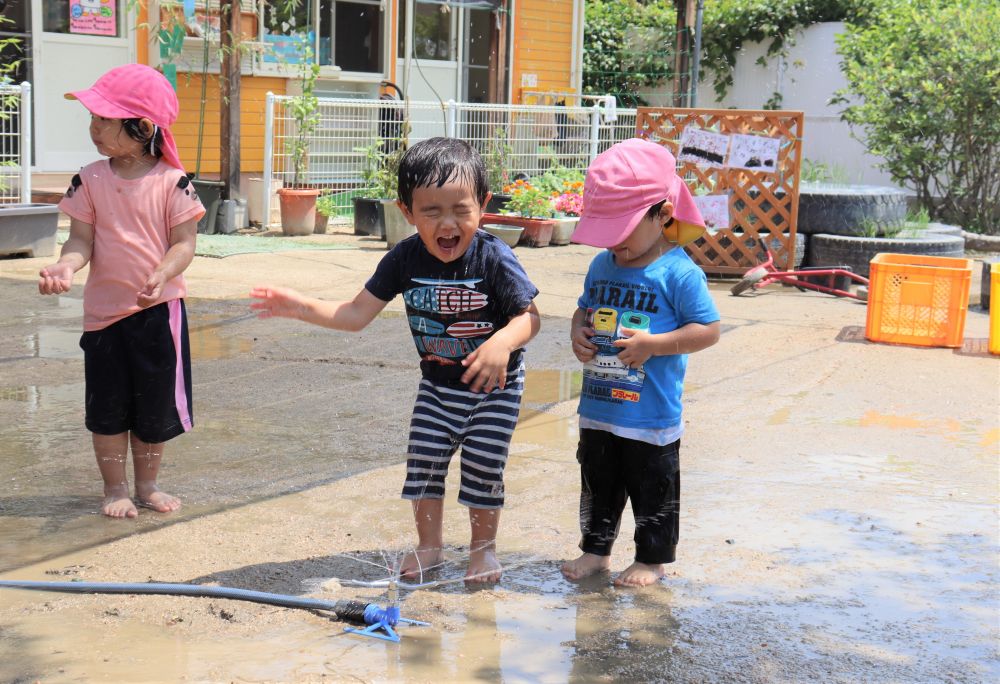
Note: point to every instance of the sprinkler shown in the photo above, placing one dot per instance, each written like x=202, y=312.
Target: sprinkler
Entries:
x=376, y=618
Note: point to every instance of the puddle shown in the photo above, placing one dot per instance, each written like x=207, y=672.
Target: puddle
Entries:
x=213, y=342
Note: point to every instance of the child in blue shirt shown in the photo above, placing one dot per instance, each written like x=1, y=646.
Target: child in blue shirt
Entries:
x=470, y=311
x=645, y=306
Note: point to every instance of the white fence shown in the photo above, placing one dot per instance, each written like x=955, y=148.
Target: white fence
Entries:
x=15, y=143
x=537, y=137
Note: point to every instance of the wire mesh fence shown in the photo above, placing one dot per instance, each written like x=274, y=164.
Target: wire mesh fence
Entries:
x=15, y=149
x=354, y=134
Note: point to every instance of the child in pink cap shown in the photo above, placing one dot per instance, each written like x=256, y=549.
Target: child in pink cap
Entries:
x=134, y=217
x=645, y=306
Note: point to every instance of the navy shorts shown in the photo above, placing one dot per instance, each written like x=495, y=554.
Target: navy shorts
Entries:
x=616, y=469
x=138, y=373
x=446, y=417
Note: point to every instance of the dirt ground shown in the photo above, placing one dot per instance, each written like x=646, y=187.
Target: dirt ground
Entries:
x=839, y=511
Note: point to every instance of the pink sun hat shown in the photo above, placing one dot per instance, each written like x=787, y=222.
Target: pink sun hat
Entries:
x=622, y=184
x=135, y=91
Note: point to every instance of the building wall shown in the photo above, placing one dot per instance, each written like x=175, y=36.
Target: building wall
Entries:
x=542, y=46
x=806, y=79
x=253, y=92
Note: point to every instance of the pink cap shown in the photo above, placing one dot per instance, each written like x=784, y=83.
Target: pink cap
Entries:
x=135, y=91
x=622, y=184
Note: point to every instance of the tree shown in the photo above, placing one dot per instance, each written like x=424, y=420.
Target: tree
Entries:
x=626, y=47
x=924, y=90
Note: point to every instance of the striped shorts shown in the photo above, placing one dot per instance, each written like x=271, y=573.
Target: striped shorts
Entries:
x=445, y=417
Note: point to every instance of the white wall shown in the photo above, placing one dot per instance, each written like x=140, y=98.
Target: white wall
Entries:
x=807, y=78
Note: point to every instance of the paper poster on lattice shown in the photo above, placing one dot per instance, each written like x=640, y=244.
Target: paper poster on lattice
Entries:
x=714, y=209
x=702, y=147
x=754, y=152
x=752, y=198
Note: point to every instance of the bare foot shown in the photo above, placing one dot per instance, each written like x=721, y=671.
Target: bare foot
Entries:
x=483, y=567
x=586, y=565
x=117, y=503
x=150, y=496
x=640, y=575
x=418, y=562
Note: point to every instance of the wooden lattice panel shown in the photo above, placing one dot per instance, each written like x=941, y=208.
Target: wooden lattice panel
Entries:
x=759, y=201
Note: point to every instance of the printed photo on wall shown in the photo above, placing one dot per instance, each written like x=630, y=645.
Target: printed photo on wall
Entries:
x=714, y=209
x=703, y=148
x=754, y=152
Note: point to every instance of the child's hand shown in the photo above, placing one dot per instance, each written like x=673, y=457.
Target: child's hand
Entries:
x=55, y=279
x=486, y=367
x=276, y=301
x=582, y=346
x=636, y=348
x=151, y=290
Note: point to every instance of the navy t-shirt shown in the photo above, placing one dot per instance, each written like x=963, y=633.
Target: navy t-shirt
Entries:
x=452, y=308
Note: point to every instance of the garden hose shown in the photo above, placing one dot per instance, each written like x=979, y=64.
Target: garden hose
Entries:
x=353, y=611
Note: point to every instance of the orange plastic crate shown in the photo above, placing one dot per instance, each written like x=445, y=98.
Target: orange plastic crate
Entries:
x=994, y=344
x=917, y=299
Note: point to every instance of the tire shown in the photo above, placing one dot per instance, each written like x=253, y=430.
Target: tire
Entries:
x=944, y=229
x=857, y=252
x=747, y=282
x=848, y=209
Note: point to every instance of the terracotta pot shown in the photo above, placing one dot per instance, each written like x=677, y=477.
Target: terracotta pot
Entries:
x=537, y=232
x=298, y=210
x=321, y=222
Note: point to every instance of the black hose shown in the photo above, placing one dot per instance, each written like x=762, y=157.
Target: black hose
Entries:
x=344, y=610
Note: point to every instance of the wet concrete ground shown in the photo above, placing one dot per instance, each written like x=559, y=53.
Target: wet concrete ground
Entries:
x=840, y=502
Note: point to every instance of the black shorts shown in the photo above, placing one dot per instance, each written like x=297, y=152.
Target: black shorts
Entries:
x=614, y=469
x=138, y=373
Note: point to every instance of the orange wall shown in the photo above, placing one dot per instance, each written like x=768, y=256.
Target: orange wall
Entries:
x=253, y=92
x=543, y=44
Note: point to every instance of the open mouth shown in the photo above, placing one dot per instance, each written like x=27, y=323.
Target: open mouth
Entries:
x=447, y=243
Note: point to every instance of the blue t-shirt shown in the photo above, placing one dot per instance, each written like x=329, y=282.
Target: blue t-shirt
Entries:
x=454, y=307
x=660, y=297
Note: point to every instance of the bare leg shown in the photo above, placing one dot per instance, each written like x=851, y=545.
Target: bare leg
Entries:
x=586, y=565
x=640, y=575
x=483, y=563
x=428, y=514
x=146, y=462
x=111, y=452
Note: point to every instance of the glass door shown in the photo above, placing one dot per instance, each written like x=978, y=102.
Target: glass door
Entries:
x=77, y=42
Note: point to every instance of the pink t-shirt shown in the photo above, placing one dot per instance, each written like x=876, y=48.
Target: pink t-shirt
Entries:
x=132, y=220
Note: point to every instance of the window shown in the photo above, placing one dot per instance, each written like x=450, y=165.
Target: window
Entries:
x=356, y=31
x=349, y=35
x=433, y=31
x=85, y=17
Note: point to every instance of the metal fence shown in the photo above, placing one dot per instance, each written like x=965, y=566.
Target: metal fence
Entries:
x=15, y=143
x=535, y=138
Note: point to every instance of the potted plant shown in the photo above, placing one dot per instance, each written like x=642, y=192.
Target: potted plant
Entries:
x=497, y=158
x=395, y=225
x=568, y=205
x=298, y=203
x=326, y=206
x=366, y=201
x=529, y=207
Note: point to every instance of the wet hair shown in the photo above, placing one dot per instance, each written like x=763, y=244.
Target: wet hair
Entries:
x=654, y=210
x=133, y=128
x=436, y=161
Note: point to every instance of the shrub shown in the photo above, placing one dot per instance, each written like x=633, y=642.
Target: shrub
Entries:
x=924, y=88
x=527, y=200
